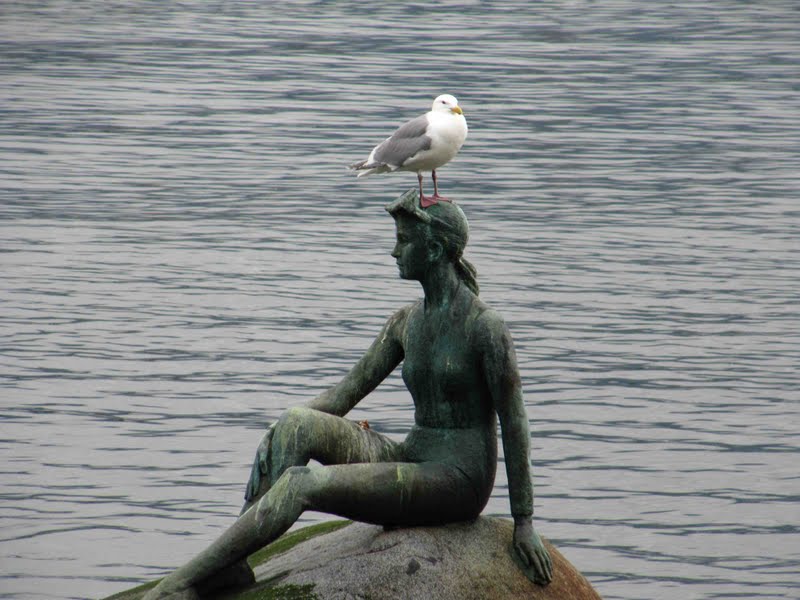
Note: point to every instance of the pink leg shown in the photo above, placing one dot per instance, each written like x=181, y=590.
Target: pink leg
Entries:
x=436, y=197
x=424, y=201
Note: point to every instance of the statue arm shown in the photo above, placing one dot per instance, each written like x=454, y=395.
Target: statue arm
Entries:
x=502, y=376
x=385, y=353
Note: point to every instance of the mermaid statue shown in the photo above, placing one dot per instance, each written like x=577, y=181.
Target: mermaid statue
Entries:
x=459, y=365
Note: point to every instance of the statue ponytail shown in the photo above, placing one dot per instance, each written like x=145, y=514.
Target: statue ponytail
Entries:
x=468, y=274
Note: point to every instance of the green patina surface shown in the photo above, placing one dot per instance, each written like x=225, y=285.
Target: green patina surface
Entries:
x=276, y=592
x=268, y=590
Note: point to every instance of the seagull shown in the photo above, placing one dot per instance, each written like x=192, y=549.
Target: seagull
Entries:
x=422, y=144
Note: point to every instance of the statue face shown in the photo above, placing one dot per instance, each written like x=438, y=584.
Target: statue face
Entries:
x=411, y=251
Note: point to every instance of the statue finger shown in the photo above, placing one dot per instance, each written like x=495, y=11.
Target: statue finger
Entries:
x=262, y=453
x=536, y=562
x=543, y=571
x=523, y=554
x=254, y=483
x=262, y=461
x=548, y=564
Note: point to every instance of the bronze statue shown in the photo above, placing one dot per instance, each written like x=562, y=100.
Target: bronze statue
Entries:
x=460, y=368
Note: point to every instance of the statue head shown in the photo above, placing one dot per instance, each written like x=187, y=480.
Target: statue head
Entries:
x=442, y=231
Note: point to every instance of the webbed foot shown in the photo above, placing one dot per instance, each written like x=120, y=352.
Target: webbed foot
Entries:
x=426, y=201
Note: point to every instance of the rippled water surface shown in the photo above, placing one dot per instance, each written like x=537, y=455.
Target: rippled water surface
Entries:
x=184, y=255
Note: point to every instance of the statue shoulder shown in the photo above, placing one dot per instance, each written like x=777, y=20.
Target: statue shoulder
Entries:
x=403, y=314
x=490, y=327
x=396, y=325
x=484, y=315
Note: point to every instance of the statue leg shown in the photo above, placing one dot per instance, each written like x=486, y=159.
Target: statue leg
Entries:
x=300, y=435
x=382, y=493
x=274, y=514
x=303, y=434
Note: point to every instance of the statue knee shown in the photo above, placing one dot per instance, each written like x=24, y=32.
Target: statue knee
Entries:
x=295, y=475
x=295, y=428
x=294, y=418
x=290, y=493
x=294, y=481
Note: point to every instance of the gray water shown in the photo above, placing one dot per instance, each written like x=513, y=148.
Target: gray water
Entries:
x=184, y=256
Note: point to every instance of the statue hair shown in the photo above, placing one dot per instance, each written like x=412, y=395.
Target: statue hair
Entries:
x=447, y=224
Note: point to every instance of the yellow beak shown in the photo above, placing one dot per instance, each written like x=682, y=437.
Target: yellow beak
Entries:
x=457, y=110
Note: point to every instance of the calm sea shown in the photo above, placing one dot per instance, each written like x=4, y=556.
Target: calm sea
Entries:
x=184, y=255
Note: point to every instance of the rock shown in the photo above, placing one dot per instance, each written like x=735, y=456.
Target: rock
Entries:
x=461, y=561
x=452, y=562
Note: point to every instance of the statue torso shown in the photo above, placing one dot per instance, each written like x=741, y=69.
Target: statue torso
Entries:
x=455, y=421
x=442, y=365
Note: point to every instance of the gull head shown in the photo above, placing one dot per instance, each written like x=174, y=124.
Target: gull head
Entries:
x=447, y=103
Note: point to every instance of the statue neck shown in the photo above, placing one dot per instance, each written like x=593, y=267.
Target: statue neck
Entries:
x=440, y=284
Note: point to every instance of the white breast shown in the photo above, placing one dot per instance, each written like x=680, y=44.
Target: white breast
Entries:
x=447, y=132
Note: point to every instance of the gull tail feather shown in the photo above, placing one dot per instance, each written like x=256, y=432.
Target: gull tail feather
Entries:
x=365, y=167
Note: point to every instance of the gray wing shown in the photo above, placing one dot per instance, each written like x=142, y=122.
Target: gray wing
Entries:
x=404, y=143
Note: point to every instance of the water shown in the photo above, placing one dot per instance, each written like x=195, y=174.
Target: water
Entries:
x=184, y=256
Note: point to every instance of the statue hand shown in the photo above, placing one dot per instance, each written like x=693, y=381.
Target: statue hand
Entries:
x=260, y=466
x=531, y=553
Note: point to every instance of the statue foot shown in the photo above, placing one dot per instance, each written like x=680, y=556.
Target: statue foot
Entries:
x=161, y=592
x=237, y=575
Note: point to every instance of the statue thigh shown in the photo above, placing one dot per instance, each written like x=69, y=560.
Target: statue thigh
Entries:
x=303, y=434
x=364, y=475
x=393, y=494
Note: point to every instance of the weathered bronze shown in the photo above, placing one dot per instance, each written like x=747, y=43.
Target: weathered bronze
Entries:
x=459, y=366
